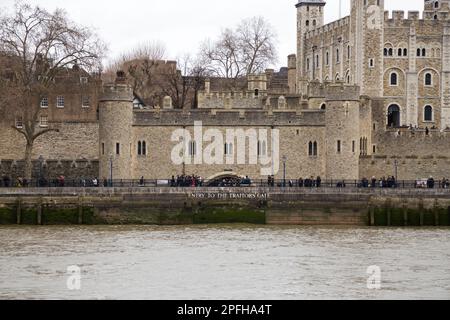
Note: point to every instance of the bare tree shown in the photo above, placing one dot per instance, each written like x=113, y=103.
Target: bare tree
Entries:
x=38, y=45
x=140, y=66
x=247, y=49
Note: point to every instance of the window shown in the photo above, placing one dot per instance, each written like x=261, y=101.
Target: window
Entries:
x=419, y=52
x=317, y=61
x=349, y=52
x=44, y=102
x=323, y=107
x=353, y=146
x=394, y=79
x=313, y=149
x=86, y=102
x=19, y=122
x=339, y=146
x=60, y=101
x=43, y=123
x=307, y=64
x=390, y=52
x=256, y=92
x=405, y=52
x=393, y=116
x=262, y=148
x=118, y=148
x=337, y=56
x=371, y=63
x=428, y=79
x=327, y=58
x=428, y=113
x=103, y=148
x=228, y=149
x=374, y=149
x=192, y=148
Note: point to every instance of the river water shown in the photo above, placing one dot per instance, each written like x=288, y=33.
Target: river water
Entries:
x=223, y=262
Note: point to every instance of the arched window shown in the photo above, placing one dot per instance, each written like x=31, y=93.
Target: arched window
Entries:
x=315, y=149
x=256, y=92
x=428, y=79
x=390, y=52
x=428, y=113
x=424, y=52
x=400, y=52
x=338, y=58
x=436, y=4
x=310, y=149
x=307, y=23
x=393, y=116
x=393, y=81
x=323, y=107
x=139, y=148
x=405, y=52
x=327, y=58
x=419, y=52
x=144, y=148
x=192, y=148
x=385, y=52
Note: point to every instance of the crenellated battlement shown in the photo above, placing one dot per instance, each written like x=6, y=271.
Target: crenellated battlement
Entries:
x=414, y=16
x=334, y=91
x=220, y=118
x=330, y=27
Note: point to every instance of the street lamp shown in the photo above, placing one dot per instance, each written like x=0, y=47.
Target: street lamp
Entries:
x=111, y=170
x=396, y=170
x=284, y=171
x=41, y=161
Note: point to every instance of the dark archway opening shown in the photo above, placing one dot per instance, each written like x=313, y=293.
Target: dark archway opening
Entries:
x=394, y=116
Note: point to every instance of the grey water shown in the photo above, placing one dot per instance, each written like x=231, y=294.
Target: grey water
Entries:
x=223, y=262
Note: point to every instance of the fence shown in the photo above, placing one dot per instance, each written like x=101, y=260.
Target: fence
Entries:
x=169, y=183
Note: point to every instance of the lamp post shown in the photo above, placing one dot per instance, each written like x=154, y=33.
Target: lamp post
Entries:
x=396, y=170
x=111, y=170
x=41, y=160
x=284, y=171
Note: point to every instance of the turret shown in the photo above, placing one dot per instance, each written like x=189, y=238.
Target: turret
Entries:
x=310, y=15
x=367, y=28
x=115, y=121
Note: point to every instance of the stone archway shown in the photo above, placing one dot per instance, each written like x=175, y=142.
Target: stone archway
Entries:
x=224, y=179
x=393, y=118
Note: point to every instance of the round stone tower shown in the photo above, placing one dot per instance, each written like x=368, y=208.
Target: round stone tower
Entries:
x=115, y=122
x=342, y=117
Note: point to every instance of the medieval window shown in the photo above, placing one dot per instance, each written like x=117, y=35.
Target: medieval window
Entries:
x=43, y=122
x=436, y=4
x=400, y=52
x=262, y=148
x=339, y=146
x=117, y=148
x=60, y=101
x=374, y=149
x=435, y=17
x=385, y=52
x=44, y=102
x=419, y=52
x=192, y=148
x=228, y=149
x=307, y=64
x=103, y=148
x=307, y=23
x=312, y=149
x=139, y=151
x=317, y=61
x=327, y=55
x=256, y=92
x=348, y=79
x=428, y=79
x=393, y=116
x=337, y=56
x=371, y=63
x=323, y=107
x=349, y=52
x=144, y=148
x=353, y=146
x=424, y=52
x=85, y=102
x=390, y=52
x=393, y=79
x=428, y=113
x=19, y=122
x=405, y=52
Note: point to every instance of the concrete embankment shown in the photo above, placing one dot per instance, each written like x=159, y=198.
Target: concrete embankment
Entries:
x=169, y=206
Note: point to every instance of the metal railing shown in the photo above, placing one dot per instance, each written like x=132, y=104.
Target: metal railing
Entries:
x=193, y=183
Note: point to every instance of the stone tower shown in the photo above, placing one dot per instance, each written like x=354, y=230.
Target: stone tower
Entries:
x=115, y=121
x=342, y=118
x=310, y=15
x=367, y=30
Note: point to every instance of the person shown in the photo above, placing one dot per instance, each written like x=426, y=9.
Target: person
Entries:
x=95, y=182
x=141, y=181
x=61, y=181
x=427, y=131
x=300, y=183
x=430, y=183
x=374, y=182
x=318, y=182
x=105, y=182
x=6, y=181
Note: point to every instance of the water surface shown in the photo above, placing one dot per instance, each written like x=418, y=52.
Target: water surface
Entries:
x=223, y=262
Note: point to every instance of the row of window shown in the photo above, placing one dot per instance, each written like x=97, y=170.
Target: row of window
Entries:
x=327, y=58
x=394, y=79
x=420, y=52
x=60, y=102
x=43, y=122
x=393, y=117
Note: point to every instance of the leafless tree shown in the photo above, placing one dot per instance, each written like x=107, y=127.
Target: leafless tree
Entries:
x=247, y=49
x=139, y=64
x=38, y=45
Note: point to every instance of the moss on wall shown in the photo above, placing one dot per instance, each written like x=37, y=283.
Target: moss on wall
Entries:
x=229, y=215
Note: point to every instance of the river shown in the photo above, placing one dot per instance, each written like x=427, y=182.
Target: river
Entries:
x=223, y=262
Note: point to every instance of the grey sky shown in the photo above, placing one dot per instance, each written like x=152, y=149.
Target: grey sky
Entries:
x=182, y=25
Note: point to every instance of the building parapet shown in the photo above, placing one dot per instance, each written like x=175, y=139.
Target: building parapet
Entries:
x=328, y=27
x=235, y=118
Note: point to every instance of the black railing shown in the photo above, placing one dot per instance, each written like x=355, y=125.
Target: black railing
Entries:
x=189, y=183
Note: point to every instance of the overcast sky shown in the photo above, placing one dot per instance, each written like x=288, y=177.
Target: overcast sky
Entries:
x=182, y=25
